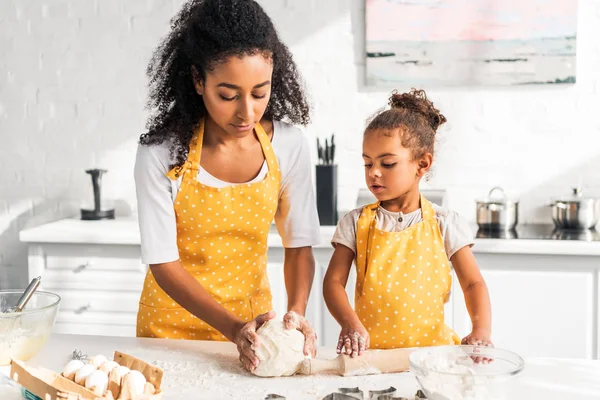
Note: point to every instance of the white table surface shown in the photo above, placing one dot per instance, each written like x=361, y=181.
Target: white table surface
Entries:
x=211, y=370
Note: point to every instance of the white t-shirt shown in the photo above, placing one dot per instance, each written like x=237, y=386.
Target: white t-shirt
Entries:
x=455, y=229
x=296, y=218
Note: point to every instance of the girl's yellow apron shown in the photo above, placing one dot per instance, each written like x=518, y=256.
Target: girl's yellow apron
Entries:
x=222, y=240
x=403, y=281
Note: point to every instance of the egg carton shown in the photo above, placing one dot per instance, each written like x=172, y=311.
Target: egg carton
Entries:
x=48, y=385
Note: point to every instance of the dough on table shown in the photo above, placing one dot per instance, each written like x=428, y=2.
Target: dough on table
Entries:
x=280, y=351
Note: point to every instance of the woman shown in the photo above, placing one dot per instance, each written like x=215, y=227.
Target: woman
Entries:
x=216, y=166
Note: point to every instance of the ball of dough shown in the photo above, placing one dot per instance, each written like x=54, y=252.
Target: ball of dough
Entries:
x=280, y=351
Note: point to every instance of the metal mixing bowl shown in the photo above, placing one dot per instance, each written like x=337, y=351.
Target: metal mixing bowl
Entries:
x=23, y=334
x=450, y=372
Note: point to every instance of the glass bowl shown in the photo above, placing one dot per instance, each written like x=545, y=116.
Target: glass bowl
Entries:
x=457, y=372
x=23, y=334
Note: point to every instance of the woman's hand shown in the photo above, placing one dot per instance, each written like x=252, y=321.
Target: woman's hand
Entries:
x=247, y=341
x=354, y=339
x=293, y=320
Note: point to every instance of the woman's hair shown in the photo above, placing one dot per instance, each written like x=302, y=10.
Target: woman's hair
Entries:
x=204, y=34
x=416, y=119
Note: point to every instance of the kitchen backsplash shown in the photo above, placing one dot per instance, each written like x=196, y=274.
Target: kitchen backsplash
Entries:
x=74, y=89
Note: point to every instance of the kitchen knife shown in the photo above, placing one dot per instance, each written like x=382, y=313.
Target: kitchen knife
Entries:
x=332, y=155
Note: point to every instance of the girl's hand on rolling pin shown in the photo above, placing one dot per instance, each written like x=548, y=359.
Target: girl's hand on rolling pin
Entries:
x=293, y=320
x=354, y=339
x=247, y=340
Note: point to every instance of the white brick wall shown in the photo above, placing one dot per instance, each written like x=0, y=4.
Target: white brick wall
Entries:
x=72, y=92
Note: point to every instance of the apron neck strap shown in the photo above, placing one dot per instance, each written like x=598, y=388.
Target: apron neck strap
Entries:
x=364, y=234
x=195, y=151
x=266, y=145
x=427, y=211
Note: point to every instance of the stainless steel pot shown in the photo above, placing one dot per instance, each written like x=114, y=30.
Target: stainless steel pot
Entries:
x=575, y=211
x=497, y=213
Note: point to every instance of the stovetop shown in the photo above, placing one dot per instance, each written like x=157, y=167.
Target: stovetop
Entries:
x=541, y=232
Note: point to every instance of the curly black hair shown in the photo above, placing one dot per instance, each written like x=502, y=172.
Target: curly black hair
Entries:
x=204, y=34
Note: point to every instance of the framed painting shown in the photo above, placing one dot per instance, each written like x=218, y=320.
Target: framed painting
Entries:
x=424, y=43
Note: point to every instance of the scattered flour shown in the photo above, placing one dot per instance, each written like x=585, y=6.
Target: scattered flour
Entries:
x=364, y=371
x=220, y=376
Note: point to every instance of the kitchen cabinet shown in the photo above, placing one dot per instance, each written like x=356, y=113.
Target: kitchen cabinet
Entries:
x=542, y=306
x=99, y=285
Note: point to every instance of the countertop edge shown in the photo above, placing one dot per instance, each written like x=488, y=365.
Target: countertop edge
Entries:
x=125, y=231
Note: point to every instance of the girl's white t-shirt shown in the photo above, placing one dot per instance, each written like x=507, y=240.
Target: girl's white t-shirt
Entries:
x=296, y=218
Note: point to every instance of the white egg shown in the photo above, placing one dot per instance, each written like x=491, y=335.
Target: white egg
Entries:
x=121, y=372
x=108, y=366
x=71, y=369
x=149, y=388
x=98, y=360
x=136, y=381
x=97, y=382
x=83, y=373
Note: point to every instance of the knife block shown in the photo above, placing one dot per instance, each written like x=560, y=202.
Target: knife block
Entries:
x=327, y=194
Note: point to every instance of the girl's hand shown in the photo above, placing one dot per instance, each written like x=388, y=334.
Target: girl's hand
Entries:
x=354, y=340
x=479, y=337
x=293, y=320
x=246, y=339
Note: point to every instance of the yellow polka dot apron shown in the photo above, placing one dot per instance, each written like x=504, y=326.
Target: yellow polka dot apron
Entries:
x=403, y=281
x=222, y=240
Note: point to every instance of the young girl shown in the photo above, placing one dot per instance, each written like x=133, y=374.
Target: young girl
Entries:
x=402, y=244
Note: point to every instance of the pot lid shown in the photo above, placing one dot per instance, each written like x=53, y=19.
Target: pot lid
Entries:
x=576, y=196
x=496, y=196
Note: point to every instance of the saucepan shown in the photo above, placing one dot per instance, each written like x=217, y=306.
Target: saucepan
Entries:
x=497, y=212
x=575, y=211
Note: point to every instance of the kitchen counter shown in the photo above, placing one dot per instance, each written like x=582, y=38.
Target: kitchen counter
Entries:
x=125, y=232
x=195, y=370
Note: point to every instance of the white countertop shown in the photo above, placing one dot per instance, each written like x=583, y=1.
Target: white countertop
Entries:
x=125, y=231
x=193, y=369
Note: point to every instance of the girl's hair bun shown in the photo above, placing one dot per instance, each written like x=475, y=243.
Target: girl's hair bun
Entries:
x=416, y=101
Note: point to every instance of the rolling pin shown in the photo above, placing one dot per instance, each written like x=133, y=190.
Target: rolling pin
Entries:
x=371, y=362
